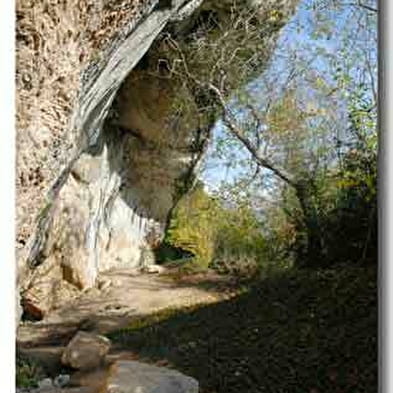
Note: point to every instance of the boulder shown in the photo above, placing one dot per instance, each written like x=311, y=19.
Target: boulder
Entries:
x=136, y=377
x=45, y=383
x=38, y=297
x=61, y=380
x=85, y=351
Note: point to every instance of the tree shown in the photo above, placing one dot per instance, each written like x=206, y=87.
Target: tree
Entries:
x=217, y=69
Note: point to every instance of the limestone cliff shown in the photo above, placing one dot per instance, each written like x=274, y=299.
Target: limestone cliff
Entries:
x=102, y=157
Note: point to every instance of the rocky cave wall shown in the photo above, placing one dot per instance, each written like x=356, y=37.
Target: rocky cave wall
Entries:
x=102, y=156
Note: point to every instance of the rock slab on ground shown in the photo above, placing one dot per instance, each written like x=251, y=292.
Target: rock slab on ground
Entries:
x=136, y=377
x=85, y=351
x=56, y=390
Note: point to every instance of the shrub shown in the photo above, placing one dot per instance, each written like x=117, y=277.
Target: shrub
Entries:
x=28, y=373
x=345, y=205
x=193, y=226
x=228, y=239
x=240, y=246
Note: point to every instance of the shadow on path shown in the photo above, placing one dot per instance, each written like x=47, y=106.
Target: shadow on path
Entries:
x=298, y=331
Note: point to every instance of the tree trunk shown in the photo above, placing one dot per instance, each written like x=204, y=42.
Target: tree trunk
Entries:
x=310, y=252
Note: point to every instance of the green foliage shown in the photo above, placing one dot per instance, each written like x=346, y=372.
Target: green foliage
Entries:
x=240, y=245
x=227, y=239
x=193, y=226
x=318, y=129
x=28, y=373
x=342, y=214
x=170, y=255
x=354, y=216
x=344, y=197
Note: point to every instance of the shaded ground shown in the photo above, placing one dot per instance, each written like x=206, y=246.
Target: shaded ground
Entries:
x=128, y=296
x=299, y=331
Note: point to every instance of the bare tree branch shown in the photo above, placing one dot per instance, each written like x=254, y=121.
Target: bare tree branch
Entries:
x=361, y=5
x=239, y=134
x=371, y=75
x=229, y=119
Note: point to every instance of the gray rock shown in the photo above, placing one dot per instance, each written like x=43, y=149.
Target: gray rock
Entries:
x=45, y=383
x=85, y=351
x=61, y=380
x=136, y=377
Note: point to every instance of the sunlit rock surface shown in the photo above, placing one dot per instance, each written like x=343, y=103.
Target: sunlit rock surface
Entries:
x=102, y=154
x=136, y=377
x=85, y=351
x=73, y=209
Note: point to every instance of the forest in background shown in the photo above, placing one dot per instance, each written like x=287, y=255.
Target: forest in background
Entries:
x=290, y=178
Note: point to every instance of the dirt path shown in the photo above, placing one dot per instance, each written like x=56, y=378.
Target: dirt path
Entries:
x=124, y=295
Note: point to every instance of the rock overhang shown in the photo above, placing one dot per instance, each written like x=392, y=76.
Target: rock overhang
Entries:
x=123, y=158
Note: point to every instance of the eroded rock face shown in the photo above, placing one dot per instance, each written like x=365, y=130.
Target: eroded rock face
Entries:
x=72, y=209
x=60, y=46
x=136, y=377
x=46, y=280
x=113, y=206
x=103, y=154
